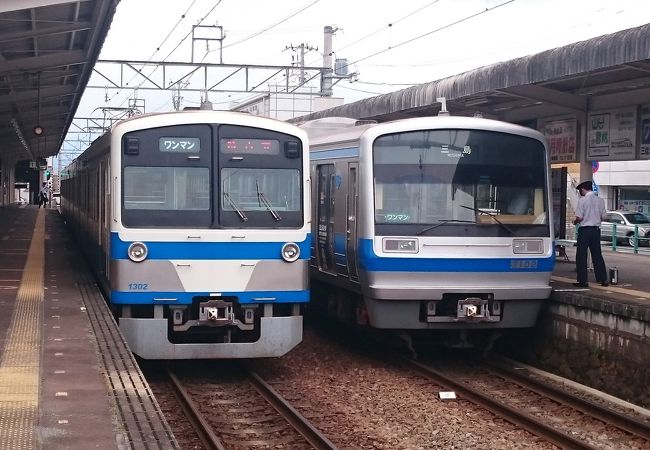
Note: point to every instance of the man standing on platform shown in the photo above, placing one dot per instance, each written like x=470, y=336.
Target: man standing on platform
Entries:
x=589, y=213
x=43, y=196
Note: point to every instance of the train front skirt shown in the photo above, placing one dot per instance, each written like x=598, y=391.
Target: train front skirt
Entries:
x=148, y=339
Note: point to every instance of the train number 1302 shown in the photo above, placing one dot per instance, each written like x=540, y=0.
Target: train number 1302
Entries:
x=138, y=286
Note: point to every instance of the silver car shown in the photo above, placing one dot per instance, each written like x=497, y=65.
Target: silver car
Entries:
x=626, y=222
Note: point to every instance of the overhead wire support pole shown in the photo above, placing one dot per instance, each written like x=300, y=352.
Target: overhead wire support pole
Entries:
x=146, y=77
x=304, y=48
x=267, y=79
x=212, y=75
x=293, y=91
x=221, y=37
x=221, y=81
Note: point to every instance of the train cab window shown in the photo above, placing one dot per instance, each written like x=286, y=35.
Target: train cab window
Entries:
x=258, y=181
x=260, y=189
x=167, y=188
x=443, y=181
x=167, y=181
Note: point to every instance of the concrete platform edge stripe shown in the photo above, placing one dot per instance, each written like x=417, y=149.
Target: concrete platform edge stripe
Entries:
x=20, y=365
x=631, y=292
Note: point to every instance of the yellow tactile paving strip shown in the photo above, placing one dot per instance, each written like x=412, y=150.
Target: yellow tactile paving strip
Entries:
x=20, y=365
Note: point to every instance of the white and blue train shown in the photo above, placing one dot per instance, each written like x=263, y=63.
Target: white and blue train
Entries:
x=197, y=224
x=433, y=223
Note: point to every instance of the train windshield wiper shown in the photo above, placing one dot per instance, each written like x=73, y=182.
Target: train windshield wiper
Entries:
x=442, y=222
x=492, y=216
x=261, y=198
x=234, y=206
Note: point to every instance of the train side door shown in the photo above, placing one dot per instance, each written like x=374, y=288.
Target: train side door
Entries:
x=351, y=231
x=325, y=217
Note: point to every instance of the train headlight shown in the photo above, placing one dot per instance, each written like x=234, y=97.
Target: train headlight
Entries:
x=290, y=252
x=528, y=246
x=401, y=245
x=137, y=251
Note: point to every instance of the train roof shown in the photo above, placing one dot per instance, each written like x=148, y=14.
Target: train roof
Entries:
x=335, y=130
x=322, y=131
x=192, y=116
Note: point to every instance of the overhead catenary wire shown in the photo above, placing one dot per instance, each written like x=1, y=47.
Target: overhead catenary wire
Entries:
x=444, y=27
x=292, y=15
x=173, y=28
x=257, y=33
x=411, y=40
x=436, y=30
x=161, y=44
x=360, y=90
x=229, y=45
x=389, y=25
x=175, y=48
x=408, y=41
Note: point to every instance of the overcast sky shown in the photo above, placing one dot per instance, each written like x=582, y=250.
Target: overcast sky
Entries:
x=390, y=44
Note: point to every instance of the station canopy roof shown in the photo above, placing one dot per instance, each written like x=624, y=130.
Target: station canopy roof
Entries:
x=47, y=52
x=604, y=72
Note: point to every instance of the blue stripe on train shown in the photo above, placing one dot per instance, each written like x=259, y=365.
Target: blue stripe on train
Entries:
x=208, y=250
x=185, y=298
x=369, y=261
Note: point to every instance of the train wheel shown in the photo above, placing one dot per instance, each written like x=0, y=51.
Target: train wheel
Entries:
x=362, y=313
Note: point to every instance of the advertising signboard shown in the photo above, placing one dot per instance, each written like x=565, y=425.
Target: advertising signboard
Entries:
x=644, y=147
x=611, y=135
x=562, y=136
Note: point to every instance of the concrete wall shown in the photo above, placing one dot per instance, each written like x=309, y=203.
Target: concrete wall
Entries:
x=598, y=342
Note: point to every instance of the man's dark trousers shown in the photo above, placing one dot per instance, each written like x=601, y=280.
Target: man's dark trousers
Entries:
x=589, y=238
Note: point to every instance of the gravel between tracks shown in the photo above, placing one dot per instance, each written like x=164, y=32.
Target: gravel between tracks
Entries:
x=362, y=402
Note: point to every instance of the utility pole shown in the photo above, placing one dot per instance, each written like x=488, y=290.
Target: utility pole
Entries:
x=177, y=99
x=331, y=77
x=326, y=82
x=301, y=49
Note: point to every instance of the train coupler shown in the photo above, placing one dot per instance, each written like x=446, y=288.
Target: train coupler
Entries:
x=472, y=308
x=467, y=309
x=214, y=313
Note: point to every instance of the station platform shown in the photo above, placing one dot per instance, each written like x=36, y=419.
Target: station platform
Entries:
x=67, y=379
x=633, y=281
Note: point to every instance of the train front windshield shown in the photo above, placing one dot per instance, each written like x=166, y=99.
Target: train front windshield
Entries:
x=460, y=183
x=212, y=176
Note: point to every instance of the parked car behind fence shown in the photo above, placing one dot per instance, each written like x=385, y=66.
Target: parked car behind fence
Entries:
x=627, y=224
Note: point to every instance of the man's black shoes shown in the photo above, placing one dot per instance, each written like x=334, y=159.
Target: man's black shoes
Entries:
x=604, y=284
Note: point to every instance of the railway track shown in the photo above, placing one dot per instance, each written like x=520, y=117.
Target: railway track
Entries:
x=367, y=400
x=242, y=411
x=562, y=418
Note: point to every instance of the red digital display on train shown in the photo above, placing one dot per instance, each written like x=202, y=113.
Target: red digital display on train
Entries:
x=250, y=146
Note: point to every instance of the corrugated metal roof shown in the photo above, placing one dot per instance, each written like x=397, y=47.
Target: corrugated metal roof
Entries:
x=603, y=63
x=47, y=51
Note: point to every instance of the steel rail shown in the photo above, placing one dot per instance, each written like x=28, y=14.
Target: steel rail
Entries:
x=200, y=425
x=290, y=414
x=519, y=418
x=631, y=425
